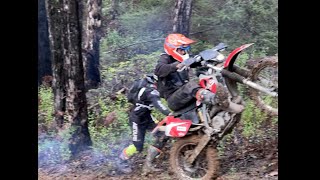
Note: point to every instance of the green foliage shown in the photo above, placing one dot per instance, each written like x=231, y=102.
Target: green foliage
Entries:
x=148, y=4
x=99, y=137
x=112, y=42
x=104, y=108
x=200, y=46
x=234, y=22
x=124, y=73
x=45, y=109
x=155, y=22
x=106, y=7
x=242, y=59
x=251, y=118
x=237, y=22
x=274, y=120
x=140, y=22
x=106, y=139
x=254, y=128
x=223, y=143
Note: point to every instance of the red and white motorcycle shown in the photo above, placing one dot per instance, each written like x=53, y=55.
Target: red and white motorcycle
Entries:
x=199, y=127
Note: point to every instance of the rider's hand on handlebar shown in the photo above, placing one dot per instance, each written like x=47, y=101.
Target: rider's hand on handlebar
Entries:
x=180, y=65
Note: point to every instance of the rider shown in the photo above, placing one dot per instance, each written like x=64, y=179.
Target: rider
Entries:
x=175, y=86
x=140, y=120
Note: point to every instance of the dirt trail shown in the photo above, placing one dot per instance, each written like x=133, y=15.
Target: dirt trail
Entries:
x=251, y=166
x=253, y=158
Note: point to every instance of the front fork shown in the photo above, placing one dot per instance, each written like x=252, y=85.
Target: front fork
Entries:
x=238, y=78
x=205, y=139
x=202, y=143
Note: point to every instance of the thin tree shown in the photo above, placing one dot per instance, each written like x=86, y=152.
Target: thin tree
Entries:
x=91, y=42
x=182, y=16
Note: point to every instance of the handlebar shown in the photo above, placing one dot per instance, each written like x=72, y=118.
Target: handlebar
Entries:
x=187, y=62
x=220, y=47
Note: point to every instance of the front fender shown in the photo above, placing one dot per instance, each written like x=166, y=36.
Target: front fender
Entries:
x=233, y=56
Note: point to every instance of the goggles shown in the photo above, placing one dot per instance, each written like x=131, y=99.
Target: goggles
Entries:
x=186, y=48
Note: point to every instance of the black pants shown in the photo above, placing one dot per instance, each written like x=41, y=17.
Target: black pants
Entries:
x=139, y=125
x=184, y=96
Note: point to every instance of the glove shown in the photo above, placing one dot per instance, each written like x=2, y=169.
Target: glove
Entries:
x=180, y=66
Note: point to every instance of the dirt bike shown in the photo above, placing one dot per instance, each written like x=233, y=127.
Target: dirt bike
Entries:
x=199, y=127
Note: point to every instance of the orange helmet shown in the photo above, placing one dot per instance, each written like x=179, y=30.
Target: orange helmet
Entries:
x=175, y=41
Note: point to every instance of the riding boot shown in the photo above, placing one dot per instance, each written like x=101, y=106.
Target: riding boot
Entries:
x=220, y=98
x=207, y=97
x=152, y=153
x=125, y=155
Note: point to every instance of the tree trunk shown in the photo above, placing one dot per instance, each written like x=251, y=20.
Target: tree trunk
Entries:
x=182, y=17
x=91, y=39
x=56, y=32
x=44, y=62
x=68, y=72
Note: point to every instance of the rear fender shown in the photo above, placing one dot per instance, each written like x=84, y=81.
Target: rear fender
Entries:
x=175, y=127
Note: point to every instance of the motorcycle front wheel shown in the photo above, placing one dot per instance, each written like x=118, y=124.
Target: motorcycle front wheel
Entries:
x=205, y=166
x=265, y=73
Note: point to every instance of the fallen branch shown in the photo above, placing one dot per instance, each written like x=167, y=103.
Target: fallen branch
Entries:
x=121, y=90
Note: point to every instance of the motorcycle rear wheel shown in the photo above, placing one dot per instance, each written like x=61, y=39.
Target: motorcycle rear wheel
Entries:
x=205, y=166
x=265, y=73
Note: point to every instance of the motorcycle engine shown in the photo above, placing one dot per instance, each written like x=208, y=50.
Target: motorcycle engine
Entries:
x=219, y=121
